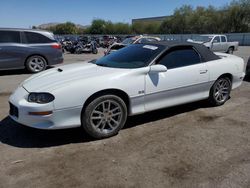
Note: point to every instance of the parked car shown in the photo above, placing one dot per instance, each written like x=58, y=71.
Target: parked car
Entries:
x=248, y=67
x=106, y=41
x=134, y=80
x=130, y=40
x=30, y=49
x=217, y=43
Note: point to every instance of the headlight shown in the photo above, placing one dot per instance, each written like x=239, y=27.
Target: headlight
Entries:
x=40, y=98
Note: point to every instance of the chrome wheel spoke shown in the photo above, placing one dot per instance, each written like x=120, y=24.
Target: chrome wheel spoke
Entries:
x=116, y=114
x=115, y=109
x=103, y=124
x=98, y=124
x=224, y=92
x=110, y=125
x=97, y=112
x=116, y=122
x=98, y=117
x=106, y=116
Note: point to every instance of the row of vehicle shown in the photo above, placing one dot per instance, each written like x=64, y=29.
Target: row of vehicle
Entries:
x=36, y=49
x=79, y=46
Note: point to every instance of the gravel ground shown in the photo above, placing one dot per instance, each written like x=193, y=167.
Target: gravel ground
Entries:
x=192, y=145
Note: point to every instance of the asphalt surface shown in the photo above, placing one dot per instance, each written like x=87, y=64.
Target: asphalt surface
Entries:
x=193, y=145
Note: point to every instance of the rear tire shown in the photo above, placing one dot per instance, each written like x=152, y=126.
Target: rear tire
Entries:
x=220, y=91
x=35, y=64
x=104, y=117
x=230, y=50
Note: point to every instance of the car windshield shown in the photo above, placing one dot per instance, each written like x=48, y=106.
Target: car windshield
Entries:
x=128, y=41
x=133, y=56
x=202, y=38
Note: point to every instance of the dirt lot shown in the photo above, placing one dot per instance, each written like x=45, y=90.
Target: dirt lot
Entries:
x=192, y=145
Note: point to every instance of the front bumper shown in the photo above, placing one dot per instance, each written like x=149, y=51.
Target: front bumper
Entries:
x=59, y=119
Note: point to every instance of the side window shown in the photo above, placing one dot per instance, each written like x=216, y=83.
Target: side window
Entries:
x=223, y=39
x=10, y=37
x=36, y=38
x=180, y=57
x=217, y=39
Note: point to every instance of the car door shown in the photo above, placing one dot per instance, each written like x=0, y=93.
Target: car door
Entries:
x=216, y=44
x=11, y=50
x=224, y=46
x=186, y=79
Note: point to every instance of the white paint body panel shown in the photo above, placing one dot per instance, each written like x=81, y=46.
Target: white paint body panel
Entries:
x=146, y=91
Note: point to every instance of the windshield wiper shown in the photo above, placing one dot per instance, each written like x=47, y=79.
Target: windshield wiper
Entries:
x=102, y=65
x=93, y=61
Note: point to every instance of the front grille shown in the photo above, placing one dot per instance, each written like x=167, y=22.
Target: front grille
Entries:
x=13, y=110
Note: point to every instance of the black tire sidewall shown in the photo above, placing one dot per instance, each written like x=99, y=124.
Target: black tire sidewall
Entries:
x=230, y=50
x=86, y=114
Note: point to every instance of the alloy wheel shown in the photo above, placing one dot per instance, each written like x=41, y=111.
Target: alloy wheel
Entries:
x=36, y=64
x=222, y=90
x=106, y=116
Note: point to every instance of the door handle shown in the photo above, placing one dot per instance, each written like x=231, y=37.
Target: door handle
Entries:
x=203, y=71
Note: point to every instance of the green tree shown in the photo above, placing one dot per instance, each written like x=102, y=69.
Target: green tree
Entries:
x=98, y=26
x=65, y=28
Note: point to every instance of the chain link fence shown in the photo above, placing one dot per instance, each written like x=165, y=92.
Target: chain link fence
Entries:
x=242, y=38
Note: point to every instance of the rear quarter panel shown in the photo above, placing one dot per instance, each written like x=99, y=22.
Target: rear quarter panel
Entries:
x=53, y=56
x=228, y=64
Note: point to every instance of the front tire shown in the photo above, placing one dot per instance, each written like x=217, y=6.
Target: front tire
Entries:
x=104, y=117
x=35, y=64
x=220, y=91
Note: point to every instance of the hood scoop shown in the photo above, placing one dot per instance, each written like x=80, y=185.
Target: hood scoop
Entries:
x=59, y=70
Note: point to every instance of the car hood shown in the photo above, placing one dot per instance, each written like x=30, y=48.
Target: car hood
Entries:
x=63, y=75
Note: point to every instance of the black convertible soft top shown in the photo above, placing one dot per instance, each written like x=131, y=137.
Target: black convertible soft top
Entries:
x=206, y=54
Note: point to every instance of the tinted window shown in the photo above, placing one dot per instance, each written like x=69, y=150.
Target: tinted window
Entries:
x=216, y=39
x=9, y=37
x=133, y=56
x=223, y=39
x=180, y=57
x=36, y=38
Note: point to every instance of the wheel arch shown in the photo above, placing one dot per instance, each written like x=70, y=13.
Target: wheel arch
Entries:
x=36, y=54
x=228, y=75
x=117, y=92
x=230, y=47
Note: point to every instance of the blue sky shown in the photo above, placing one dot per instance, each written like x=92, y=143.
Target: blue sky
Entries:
x=25, y=13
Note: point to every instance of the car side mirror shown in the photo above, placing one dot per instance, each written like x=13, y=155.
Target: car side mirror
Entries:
x=157, y=68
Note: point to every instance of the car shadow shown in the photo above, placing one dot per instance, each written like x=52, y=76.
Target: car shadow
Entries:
x=17, y=135
x=247, y=78
x=13, y=72
x=14, y=134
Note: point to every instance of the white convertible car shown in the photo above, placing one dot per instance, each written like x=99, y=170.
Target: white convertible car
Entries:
x=100, y=94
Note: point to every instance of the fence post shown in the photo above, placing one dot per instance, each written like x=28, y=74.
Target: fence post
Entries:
x=243, y=40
